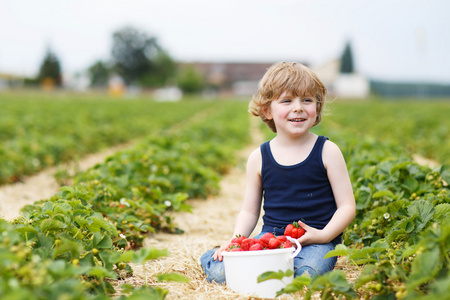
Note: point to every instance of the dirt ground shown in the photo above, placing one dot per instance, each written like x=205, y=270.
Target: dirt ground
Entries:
x=44, y=185
x=209, y=225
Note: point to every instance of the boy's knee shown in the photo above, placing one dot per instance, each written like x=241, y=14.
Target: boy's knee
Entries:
x=216, y=274
x=214, y=269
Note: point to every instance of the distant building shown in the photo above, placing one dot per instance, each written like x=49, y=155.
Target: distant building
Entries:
x=10, y=81
x=342, y=85
x=236, y=78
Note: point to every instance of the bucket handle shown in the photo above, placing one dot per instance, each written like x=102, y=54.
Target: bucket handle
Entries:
x=299, y=247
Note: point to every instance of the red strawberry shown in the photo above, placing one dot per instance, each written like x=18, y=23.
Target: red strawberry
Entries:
x=232, y=246
x=247, y=243
x=256, y=247
x=274, y=243
x=241, y=238
x=288, y=230
x=236, y=249
x=301, y=232
x=286, y=244
x=264, y=240
x=294, y=230
x=282, y=238
x=238, y=239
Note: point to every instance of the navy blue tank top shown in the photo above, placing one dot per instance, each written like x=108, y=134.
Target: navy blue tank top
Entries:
x=296, y=192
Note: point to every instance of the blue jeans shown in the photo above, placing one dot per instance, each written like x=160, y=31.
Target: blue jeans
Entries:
x=310, y=259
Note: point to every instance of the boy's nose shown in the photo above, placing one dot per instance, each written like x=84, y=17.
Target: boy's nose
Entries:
x=297, y=107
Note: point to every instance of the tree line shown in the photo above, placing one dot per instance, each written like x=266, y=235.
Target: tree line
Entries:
x=137, y=57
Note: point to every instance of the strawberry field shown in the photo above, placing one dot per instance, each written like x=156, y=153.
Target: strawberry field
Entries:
x=77, y=244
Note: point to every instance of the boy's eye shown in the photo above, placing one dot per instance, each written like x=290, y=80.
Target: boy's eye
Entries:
x=285, y=100
x=307, y=100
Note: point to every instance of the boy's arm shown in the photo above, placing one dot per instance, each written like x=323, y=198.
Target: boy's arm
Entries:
x=251, y=207
x=249, y=213
x=343, y=193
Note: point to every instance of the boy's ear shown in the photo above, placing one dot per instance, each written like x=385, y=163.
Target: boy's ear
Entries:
x=265, y=110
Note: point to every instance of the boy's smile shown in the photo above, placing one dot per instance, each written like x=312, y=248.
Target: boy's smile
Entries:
x=293, y=115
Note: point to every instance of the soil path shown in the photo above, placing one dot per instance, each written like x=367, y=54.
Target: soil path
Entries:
x=44, y=185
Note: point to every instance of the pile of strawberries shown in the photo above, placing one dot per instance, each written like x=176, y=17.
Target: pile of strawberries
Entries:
x=267, y=241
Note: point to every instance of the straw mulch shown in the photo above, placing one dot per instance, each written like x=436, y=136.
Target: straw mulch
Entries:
x=210, y=224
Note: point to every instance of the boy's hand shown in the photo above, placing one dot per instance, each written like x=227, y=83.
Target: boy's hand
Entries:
x=218, y=253
x=311, y=236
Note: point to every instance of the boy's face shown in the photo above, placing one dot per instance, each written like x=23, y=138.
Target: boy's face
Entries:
x=293, y=115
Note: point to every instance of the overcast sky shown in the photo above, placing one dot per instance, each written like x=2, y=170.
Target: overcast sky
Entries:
x=391, y=39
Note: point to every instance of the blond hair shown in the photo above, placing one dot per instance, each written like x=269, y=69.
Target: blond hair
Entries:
x=293, y=78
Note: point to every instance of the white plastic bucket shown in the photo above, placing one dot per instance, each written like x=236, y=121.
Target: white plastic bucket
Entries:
x=242, y=269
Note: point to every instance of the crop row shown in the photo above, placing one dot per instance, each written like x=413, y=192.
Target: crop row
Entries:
x=73, y=245
x=400, y=238
x=419, y=126
x=39, y=132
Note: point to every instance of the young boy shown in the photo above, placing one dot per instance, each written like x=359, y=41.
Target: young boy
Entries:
x=301, y=176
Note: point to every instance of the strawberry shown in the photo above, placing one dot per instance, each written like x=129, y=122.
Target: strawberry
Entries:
x=274, y=243
x=247, y=243
x=301, y=232
x=236, y=249
x=256, y=247
x=232, y=246
x=288, y=230
x=286, y=244
x=282, y=238
x=264, y=240
x=238, y=239
x=294, y=230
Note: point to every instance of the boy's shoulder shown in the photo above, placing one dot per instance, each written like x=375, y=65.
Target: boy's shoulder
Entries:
x=331, y=151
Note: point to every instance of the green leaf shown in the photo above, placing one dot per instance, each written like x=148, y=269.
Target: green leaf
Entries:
x=424, y=210
x=365, y=255
x=127, y=256
x=380, y=194
x=423, y=268
x=442, y=210
x=104, y=243
x=339, y=250
x=409, y=227
x=297, y=285
x=275, y=275
x=101, y=273
x=25, y=229
x=81, y=221
x=411, y=184
x=67, y=189
x=67, y=246
x=363, y=195
x=47, y=207
x=445, y=173
x=399, y=166
x=63, y=208
x=109, y=258
x=52, y=224
x=334, y=281
x=44, y=241
x=145, y=254
x=175, y=277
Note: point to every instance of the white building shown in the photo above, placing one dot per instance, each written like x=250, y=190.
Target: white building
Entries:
x=342, y=85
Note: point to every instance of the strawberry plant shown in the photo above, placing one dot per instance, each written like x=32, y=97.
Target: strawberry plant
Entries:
x=64, y=249
x=38, y=131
